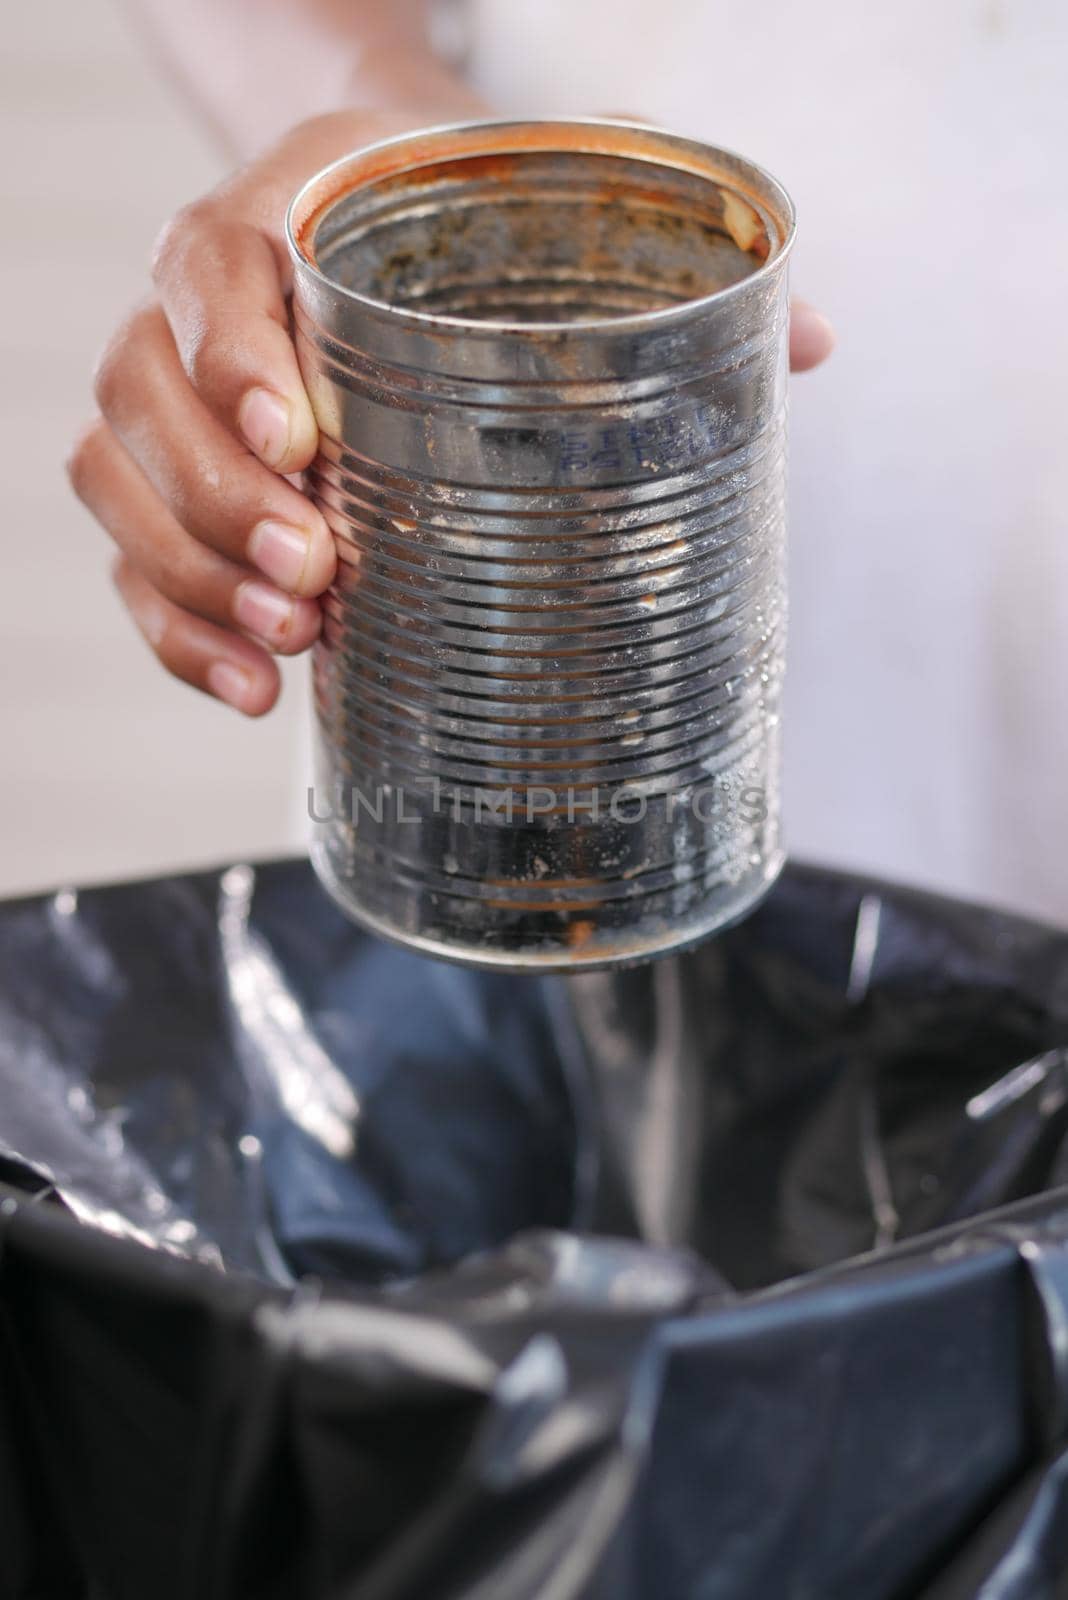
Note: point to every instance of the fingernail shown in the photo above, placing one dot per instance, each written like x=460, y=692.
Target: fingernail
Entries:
x=263, y=611
x=229, y=683
x=281, y=551
x=264, y=420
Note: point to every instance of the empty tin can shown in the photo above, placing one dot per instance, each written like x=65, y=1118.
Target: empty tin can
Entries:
x=548, y=360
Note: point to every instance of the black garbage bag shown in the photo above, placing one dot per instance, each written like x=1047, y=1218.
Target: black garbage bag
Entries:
x=326, y=1270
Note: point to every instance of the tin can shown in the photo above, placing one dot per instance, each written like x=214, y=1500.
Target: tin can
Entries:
x=548, y=360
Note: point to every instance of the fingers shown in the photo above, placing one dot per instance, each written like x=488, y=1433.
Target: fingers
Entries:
x=208, y=481
x=219, y=283
x=232, y=669
x=189, y=601
x=205, y=416
x=811, y=336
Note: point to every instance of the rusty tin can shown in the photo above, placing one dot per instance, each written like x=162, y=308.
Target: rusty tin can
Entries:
x=548, y=361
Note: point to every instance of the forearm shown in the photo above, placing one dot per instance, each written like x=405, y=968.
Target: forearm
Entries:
x=253, y=68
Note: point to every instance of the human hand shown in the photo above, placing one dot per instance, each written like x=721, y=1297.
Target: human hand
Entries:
x=203, y=415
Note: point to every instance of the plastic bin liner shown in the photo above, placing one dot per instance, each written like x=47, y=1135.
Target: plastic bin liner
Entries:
x=326, y=1270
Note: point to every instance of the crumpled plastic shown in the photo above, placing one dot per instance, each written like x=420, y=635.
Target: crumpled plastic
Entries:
x=328, y=1270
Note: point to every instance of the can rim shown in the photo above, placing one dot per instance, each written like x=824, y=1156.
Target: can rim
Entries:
x=320, y=192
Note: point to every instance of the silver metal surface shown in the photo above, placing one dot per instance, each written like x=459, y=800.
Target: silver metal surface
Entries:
x=548, y=360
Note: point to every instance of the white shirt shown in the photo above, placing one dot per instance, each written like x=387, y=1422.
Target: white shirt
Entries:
x=925, y=146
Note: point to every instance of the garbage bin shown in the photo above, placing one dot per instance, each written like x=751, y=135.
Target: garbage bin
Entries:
x=327, y=1270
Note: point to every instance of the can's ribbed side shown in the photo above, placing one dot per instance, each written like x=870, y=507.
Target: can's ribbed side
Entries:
x=549, y=684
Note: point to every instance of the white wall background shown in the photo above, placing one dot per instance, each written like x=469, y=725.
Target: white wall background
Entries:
x=107, y=767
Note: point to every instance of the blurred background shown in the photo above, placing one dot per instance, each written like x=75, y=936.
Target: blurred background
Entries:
x=110, y=768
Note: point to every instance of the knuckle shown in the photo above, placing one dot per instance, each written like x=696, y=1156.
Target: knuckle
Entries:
x=83, y=454
x=178, y=235
x=107, y=374
x=116, y=361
